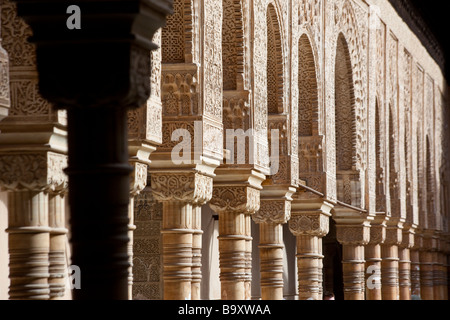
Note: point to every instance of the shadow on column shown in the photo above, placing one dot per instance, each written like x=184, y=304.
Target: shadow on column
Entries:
x=332, y=264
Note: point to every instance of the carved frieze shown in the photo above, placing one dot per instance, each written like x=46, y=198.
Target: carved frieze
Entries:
x=358, y=235
x=377, y=234
x=33, y=171
x=236, y=199
x=393, y=236
x=192, y=187
x=138, y=178
x=273, y=212
x=311, y=224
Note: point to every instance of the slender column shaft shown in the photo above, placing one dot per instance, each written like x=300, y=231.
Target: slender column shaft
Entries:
x=271, y=256
x=309, y=258
x=320, y=267
x=405, y=273
x=389, y=272
x=415, y=273
x=248, y=257
x=373, y=272
x=196, y=252
x=442, y=277
x=438, y=275
x=447, y=264
x=177, y=239
x=29, y=245
x=445, y=276
x=353, y=271
x=426, y=275
x=57, y=254
x=98, y=165
x=131, y=228
x=233, y=241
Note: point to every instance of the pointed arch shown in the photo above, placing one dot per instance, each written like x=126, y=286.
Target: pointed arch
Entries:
x=308, y=112
x=421, y=176
x=348, y=185
x=232, y=45
x=429, y=180
x=310, y=142
x=345, y=111
x=393, y=172
x=177, y=35
x=274, y=63
x=379, y=156
x=349, y=30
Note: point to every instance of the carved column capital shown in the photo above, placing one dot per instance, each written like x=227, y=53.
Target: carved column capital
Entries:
x=39, y=171
x=311, y=224
x=408, y=238
x=358, y=235
x=418, y=241
x=377, y=234
x=310, y=217
x=393, y=236
x=446, y=240
x=273, y=212
x=235, y=199
x=188, y=187
x=138, y=178
x=430, y=241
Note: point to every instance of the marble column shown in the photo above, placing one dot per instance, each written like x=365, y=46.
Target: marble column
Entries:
x=415, y=267
x=235, y=205
x=138, y=182
x=354, y=238
x=33, y=155
x=390, y=264
x=29, y=245
x=58, y=240
x=440, y=272
x=196, y=251
x=271, y=217
x=180, y=193
x=34, y=246
x=114, y=63
x=427, y=266
x=405, y=264
x=310, y=223
x=373, y=259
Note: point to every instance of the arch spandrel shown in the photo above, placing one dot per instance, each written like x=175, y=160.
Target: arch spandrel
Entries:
x=347, y=175
x=311, y=142
x=430, y=186
x=380, y=163
x=279, y=117
x=347, y=28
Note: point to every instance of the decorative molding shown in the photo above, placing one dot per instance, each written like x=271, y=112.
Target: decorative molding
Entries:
x=273, y=212
x=377, y=234
x=393, y=236
x=138, y=178
x=192, y=188
x=311, y=224
x=33, y=171
x=353, y=235
x=239, y=199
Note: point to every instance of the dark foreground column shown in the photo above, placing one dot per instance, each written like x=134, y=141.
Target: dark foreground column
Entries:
x=97, y=73
x=99, y=196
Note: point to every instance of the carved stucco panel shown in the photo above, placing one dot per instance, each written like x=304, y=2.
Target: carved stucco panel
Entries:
x=33, y=171
x=259, y=107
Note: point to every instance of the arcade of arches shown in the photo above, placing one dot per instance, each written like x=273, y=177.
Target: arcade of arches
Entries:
x=351, y=196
